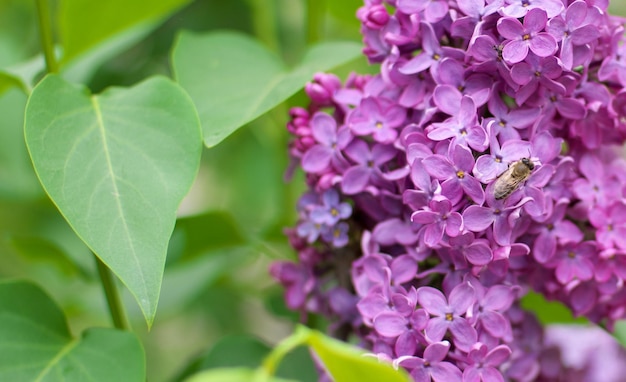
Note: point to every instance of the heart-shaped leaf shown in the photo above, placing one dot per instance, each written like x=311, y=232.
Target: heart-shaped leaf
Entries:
x=233, y=79
x=117, y=166
x=36, y=345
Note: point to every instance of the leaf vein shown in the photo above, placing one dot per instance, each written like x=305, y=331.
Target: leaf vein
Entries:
x=116, y=193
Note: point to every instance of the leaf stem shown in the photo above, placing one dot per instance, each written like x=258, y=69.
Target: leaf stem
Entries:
x=315, y=15
x=118, y=314
x=264, y=23
x=299, y=337
x=45, y=30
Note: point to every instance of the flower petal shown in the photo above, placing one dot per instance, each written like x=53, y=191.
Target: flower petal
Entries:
x=544, y=247
x=535, y=20
x=324, y=128
x=462, y=297
x=454, y=224
x=477, y=218
x=358, y=151
x=390, y=324
x=498, y=297
x=464, y=334
x=447, y=98
x=436, y=352
x=495, y=323
x=498, y=355
x=355, y=179
x=510, y=28
x=473, y=189
x=433, y=233
x=438, y=166
x=487, y=168
x=317, y=159
x=403, y=269
x=432, y=300
x=436, y=329
x=515, y=51
x=478, y=254
x=406, y=343
x=543, y=44
x=424, y=217
x=417, y=64
x=446, y=371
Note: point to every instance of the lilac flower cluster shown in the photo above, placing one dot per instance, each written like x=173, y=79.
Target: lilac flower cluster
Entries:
x=401, y=239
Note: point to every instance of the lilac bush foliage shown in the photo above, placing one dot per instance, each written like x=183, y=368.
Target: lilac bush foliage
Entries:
x=400, y=239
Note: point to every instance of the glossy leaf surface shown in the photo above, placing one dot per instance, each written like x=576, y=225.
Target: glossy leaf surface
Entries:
x=233, y=79
x=117, y=166
x=36, y=345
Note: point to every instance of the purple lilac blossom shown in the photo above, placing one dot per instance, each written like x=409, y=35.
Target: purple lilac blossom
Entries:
x=401, y=243
x=454, y=170
x=438, y=219
x=522, y=38
x=432, y=366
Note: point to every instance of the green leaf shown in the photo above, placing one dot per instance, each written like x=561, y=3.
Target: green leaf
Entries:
x=274, y=302
x=345, y=11
x=17, y=178
x=186, y=281
x=347, y=363
x=620, y=332
x=233, y=375
x=233, y=79
x=298, y=365
x=35, y=343
x=236, y=351
x=10, y=80
x=233, y=351
x=81, y=69
x=549, y=312
x=244, y=350
x=199, y=234
x=250, y=184
x=86, y=23
x=23, y=75
x=39, y=249
x=117, y=166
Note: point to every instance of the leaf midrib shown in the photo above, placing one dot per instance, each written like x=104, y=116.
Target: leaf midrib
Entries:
x=116, y=193
x=56, y=359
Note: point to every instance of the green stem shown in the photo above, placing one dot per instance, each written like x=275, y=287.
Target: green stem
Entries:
x=315, y=10
x=299, y=337
x=112, y=295
x=45, y=30
x=265, y=23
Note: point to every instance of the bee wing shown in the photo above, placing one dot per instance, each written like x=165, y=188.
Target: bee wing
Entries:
x=506, y=183
x=505, y=187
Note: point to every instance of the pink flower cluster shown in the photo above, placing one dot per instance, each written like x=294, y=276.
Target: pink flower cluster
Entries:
x=403, y=240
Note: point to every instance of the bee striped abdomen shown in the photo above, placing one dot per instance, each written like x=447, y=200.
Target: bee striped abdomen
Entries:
x=512, y=178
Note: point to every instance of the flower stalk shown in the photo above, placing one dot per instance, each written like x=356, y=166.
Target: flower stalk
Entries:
x=116, y=308
x=46, y=35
